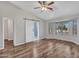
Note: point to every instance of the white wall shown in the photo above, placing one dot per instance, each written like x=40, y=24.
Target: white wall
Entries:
x=42, y=29
x=1, y=34
x=19, y=31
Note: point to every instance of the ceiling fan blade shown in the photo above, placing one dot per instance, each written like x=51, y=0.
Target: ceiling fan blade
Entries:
x=40, y=2
x=36, y=7
x=51, y=3
x=44, y=2
x=50, y=8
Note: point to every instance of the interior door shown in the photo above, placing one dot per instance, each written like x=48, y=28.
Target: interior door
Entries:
x=32, y=30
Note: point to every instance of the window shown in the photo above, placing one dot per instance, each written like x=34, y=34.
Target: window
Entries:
x=35, y=29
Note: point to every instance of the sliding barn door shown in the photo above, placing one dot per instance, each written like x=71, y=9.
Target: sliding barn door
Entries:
x=32, y=30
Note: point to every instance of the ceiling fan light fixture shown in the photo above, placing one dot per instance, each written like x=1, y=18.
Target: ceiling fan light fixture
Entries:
x=44, y=9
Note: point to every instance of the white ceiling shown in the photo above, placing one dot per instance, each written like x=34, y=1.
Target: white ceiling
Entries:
x=61, y=8
x=6, y=9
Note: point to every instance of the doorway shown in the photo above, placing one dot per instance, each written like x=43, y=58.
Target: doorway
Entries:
x=8, y=32
x=32, y=30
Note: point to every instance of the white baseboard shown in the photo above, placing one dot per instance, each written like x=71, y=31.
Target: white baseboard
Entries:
x=1, y=48
x=19, y=43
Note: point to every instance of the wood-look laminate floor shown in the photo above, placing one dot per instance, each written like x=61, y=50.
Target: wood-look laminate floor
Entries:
x=46, y=48
x=8, y=43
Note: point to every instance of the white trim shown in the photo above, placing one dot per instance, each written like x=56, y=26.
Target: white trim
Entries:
x=14, y=32
x=1, y=48
x=19, y=43
x=2, y=32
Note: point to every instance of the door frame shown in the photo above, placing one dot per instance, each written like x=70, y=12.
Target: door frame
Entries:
x=13, y=36
x=25, y=28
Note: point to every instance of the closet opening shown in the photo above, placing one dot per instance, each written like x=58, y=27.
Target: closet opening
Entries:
x=8, y=32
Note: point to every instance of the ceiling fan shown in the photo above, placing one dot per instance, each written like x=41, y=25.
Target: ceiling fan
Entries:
x=44, y=5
